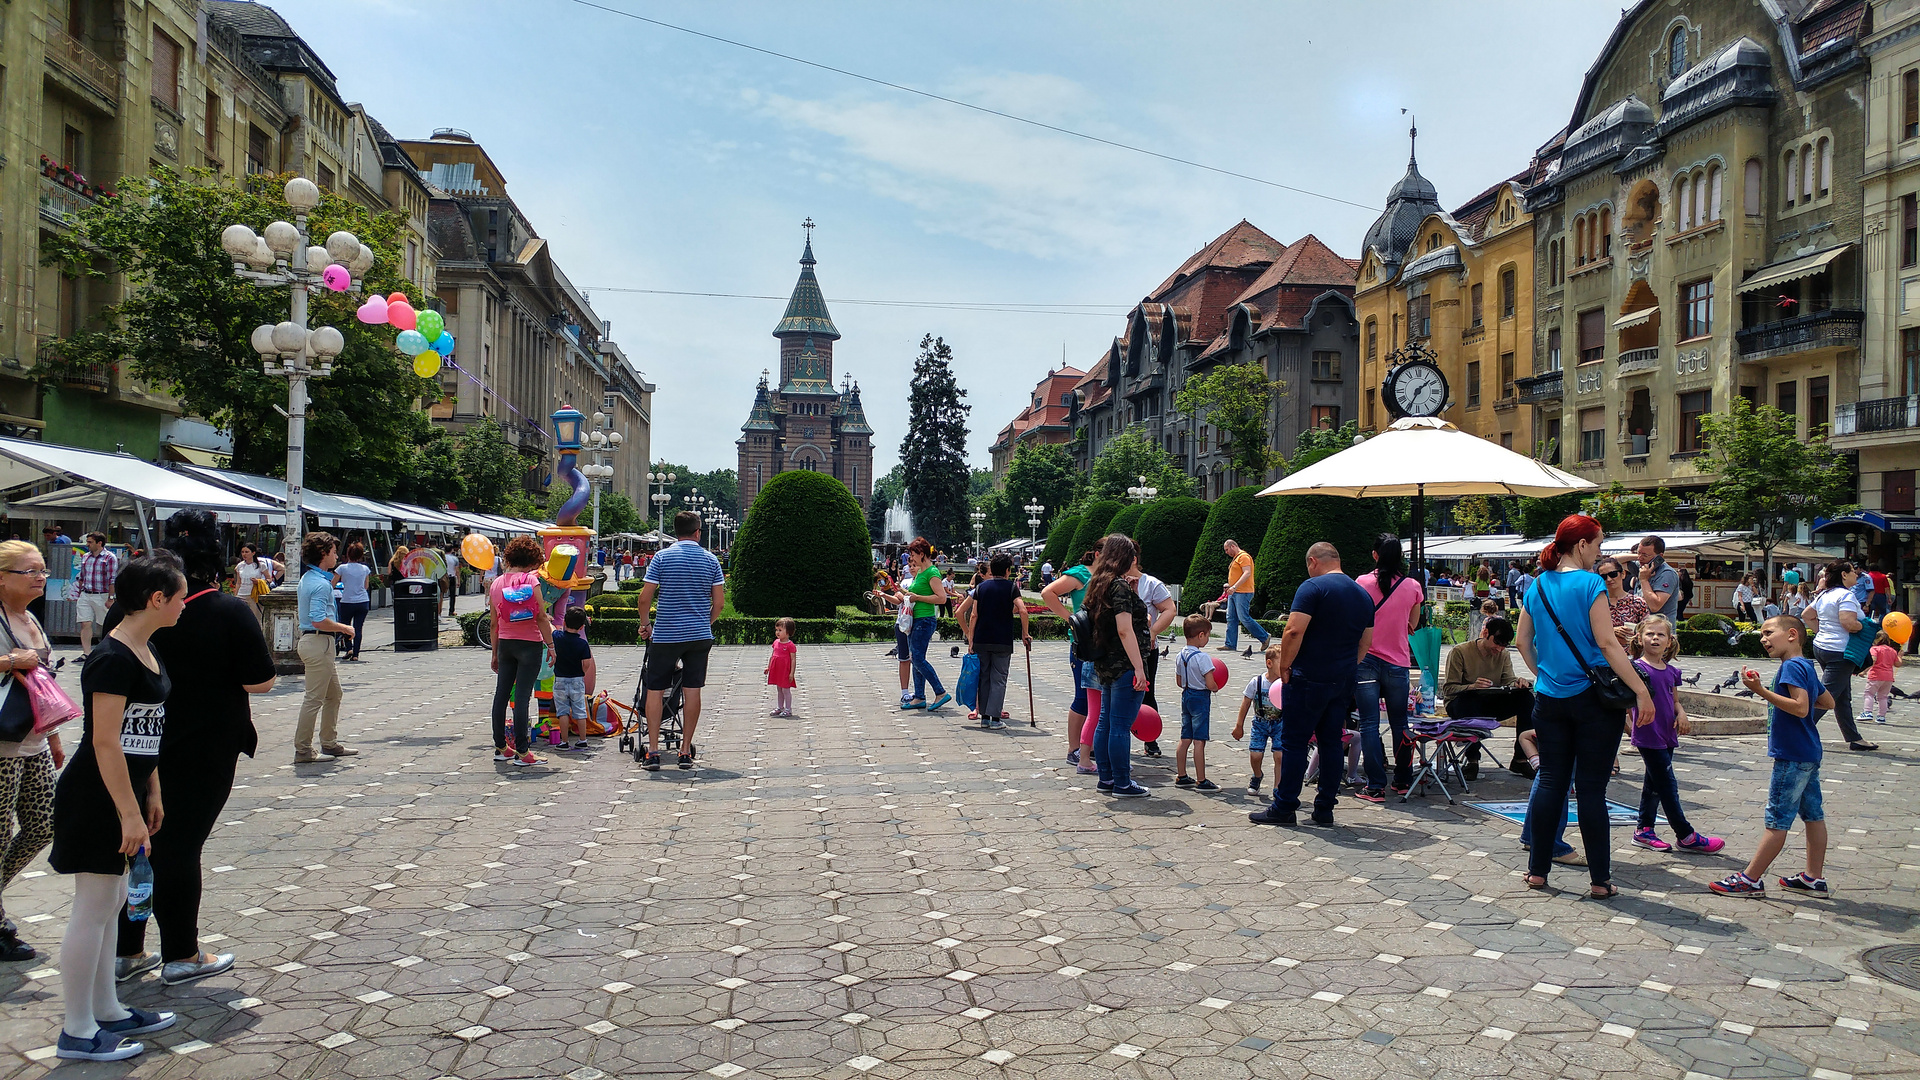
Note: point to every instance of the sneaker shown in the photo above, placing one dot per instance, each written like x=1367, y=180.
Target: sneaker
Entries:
x=1879, y=719
x=1104, y=785
x=1702, y=843
x=1650, y=840
x=300, y=757
x=1183, y=780
x=1253, y=784
x=580, y=744
x=1086, y=770
x=1401, y=789
x=1206, y=785
x=1131, y=791
x=1152, y=749
x=138, y=1022
x=1738, y=884
x=1322, y=818
x=686, y=761
x=1571, y=857
x=526, y=758
x=104, y=1046
x=1802, y=883
x=1269, y=816
x=336, y=750
x=915, y=703
x=995, y=723
x=132, y=967
x=776, y=712
x=1371, y=795
x=500, y=754
x=1073, y=756
x=178, y=972
x=939, y=701
x=653, y=762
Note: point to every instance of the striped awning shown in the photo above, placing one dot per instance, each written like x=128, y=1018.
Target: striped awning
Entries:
x=1635, y=318
x=1792, y=270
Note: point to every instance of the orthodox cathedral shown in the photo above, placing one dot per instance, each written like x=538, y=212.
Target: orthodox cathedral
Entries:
x=803, y=421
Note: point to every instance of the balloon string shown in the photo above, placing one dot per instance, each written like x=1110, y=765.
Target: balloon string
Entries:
x=470, y=378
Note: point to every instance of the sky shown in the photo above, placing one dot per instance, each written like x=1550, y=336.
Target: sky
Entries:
x=655, y=160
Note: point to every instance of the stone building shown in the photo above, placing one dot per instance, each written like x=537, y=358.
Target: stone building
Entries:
x=1696, y=233
x=803, y=421
x=1245, y=298
x=1462, y=283
x=1043, y=422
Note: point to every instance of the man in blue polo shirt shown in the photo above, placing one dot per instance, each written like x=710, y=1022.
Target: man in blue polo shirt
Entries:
x=692, y=590
x=319, y=622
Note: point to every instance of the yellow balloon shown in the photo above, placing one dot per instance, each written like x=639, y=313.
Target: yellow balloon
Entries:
x=427, y=364
x=1898, y=627
x=477, y=550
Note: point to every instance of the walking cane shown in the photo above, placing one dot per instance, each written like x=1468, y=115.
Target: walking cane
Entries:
x=1032, y=721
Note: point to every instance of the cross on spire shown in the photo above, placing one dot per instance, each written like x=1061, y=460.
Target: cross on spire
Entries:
x=808, y=225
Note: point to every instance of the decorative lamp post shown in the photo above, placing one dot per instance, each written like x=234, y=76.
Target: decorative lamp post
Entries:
x=1141, y=492
x=661, y=498
x=1034, y=510
x=979, y=519
x=282, y=256
x=601, y=443
x=564, y=579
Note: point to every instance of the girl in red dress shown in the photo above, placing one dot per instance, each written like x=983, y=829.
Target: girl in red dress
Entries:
x=780, y=666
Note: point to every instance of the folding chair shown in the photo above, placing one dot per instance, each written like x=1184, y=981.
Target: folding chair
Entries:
x=1439, y=746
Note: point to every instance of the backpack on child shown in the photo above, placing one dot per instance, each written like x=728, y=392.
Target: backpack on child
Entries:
x=519, y=597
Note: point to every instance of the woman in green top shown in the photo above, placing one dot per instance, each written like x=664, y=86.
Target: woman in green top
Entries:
x=924, y=592
x=1063, y=597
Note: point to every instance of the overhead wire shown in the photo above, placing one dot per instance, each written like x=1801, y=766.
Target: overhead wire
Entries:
x=930, y=95
x=1098, y=311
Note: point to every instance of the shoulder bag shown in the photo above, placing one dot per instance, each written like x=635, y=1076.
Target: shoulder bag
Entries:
x=50, y=705
x=1609, y=688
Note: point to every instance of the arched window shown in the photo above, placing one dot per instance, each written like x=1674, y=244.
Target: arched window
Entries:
x=1580, y=241
x=1806, y=173
x=1683, y=205
x=1713, y=192
x=1826, y=167
x=1433, y=242
x=1373, y=339
x=1677, y=52
x=1750, y=195
x=1699, y=198
x=1606, y=233
x=1792, y=180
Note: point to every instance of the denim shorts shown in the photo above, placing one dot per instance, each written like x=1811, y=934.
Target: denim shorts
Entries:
x=570, y=697
x=1196, y=715
x=1265, y=733
x=1795, y=791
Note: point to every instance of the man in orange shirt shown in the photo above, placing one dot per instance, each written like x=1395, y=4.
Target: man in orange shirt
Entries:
x=1240, y=599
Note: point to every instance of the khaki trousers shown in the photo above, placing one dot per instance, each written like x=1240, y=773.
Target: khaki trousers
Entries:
x=323, y=693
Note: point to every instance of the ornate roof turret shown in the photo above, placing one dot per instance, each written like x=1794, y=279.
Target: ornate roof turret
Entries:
x=854, y=420
x=761, y=418
x=807, y=308
x=809, y=374
x=1408, y=202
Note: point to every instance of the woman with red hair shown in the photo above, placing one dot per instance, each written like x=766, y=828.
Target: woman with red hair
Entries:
x=1566, y=631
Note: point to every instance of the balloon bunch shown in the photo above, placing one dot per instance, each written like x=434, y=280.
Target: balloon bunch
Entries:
x=423, y=334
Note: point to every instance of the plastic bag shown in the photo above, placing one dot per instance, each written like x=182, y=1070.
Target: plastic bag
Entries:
x=967, y=690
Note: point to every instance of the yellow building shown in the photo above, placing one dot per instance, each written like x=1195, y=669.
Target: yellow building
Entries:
x=1462, y=283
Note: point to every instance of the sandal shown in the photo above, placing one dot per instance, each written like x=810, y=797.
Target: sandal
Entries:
x=1536, y=882
x=1603, y=892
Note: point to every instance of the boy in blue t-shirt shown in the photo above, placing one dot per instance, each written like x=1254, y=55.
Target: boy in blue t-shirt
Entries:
x=572, y=680
x=1195, y=675
x=1798, y=698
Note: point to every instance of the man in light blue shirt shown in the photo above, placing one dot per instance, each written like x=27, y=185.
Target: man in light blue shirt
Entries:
x=319, y=622
x=693, y=591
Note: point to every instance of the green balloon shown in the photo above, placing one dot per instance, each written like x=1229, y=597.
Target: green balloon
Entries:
x=430, y=325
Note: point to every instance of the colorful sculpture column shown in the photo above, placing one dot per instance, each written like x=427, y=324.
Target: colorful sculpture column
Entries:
x=563, y=577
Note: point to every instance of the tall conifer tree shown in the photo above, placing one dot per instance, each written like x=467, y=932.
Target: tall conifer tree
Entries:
x=933, y=455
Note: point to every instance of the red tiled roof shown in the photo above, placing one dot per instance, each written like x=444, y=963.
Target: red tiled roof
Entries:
x=1239, y=247
x=1307, y=262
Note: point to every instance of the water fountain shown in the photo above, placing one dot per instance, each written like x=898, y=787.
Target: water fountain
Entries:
x=899, y=525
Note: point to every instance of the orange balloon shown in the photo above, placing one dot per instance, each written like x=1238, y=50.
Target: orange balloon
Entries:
x=397, y=298
x=478, y=551
x=1898, y=627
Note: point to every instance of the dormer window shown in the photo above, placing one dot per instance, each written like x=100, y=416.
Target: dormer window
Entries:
x=1433, y=242
x=1677, y=52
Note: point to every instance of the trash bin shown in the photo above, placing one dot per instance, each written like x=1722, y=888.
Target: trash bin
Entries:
x=416, y=615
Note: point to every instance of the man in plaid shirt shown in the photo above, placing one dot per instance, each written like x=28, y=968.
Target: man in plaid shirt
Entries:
x=93, y=575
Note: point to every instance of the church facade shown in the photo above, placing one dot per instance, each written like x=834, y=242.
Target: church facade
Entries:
x=802, y=421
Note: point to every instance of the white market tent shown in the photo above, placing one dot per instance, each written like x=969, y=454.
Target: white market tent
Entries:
x=116, y=485
x=331, y=511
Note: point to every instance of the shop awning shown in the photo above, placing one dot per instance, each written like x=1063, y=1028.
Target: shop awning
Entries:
x=421, y=519
x=1782, y=553
x=115, y=483
x=1635, y=318
x=1867, y=519
x=331, y=511
x=1792, y=269
x=193, y=455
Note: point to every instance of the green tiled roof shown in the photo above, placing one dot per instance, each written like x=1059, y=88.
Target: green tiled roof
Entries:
x=855, y=422
x=761, y=419
x=807, y=308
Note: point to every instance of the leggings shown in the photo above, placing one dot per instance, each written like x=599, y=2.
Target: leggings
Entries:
x=1879, y=697
x=1579, y=740
x=519, y=671
x=1661, y=791
x=86, y=953
x=197, y=791
x=26, y=813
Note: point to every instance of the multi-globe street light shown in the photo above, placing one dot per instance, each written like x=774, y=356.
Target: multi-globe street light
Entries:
x=602, y=444
x=1034, y=510
x=1141, y=492
x=979, y=519
x=660, y=498
x=282, y=256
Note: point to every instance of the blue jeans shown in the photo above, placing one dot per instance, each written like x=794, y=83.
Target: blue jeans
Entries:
x=1382, y=680
x=1794, y=792
x=1113, y=735
x=1662, y=791
x=1578, y=742
x=1311, y=710
x=1080, y=684
x=923, y=673
x=1560, y=845
x=1240, y=610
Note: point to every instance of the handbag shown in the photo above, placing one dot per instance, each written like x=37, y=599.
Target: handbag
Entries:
x=48, y=704
x=1609, y=688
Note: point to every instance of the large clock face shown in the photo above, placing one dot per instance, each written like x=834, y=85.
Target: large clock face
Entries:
x=1419, y=390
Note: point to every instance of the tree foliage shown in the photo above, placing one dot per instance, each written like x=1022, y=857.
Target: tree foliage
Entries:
x=1127, y=521
x=1478, y=514
x=1094, y=522
x=1767, y=478
x=933, y=454
x=877, y=506
x=1542, y=517
x=1621, y=511
x=186, y=322
x=1168, y=533
x=1055, y=549
x=1240, y=515
x=1046, y=475
x=495, y=473
x=1316, y=444
x=1350, y=525
x=1235, y=398
x=1129, y=456
x=803, y=551
x=721, y=487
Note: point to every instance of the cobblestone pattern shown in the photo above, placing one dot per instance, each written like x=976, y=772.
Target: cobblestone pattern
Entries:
x=864, y=892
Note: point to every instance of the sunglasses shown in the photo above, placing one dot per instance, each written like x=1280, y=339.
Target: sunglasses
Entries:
x=1611, y=574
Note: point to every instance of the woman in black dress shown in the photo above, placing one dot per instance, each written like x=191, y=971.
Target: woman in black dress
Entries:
x=107, y=806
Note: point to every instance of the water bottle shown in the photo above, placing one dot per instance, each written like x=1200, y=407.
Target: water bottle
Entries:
x=140, y=887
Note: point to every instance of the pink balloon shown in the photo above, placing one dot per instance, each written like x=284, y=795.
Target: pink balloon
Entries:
x=1274, y=694
x=337, y=278
x=402, y=315
x=373, y=312
x=1146, y=724
x=397, y=298
x=1219, y=672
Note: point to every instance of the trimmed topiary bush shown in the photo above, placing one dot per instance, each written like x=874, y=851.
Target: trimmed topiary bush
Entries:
x=1094, y=522
x=1241, y=516
x=1168, y=533
x=1059, y=538
x=1299, y=522
x=1127, y=521
x=803, y=551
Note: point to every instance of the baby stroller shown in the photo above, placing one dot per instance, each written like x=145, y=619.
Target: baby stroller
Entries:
x=633, y=734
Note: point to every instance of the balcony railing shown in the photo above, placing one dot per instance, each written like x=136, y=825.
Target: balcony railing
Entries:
x=1879, y=414
x=1638, y=360
x=83, y=64
x=95, y=377
x=60, y=204
x=1838, y=328
x=1549, y=386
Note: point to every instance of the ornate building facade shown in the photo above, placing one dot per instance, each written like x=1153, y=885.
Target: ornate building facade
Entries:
x=803, y=421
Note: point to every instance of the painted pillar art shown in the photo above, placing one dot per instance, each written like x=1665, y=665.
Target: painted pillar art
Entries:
x=563, y=577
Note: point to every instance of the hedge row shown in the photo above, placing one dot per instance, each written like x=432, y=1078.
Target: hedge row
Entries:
x=1715, y=643
x=629, y=601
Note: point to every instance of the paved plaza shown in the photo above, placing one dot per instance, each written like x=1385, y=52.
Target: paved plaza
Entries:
x=864, y=892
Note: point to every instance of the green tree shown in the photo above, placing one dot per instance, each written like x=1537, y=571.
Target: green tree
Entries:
x=1234, y=398
x=877, y=506
x=1044, y=475
x=1129, y=456
x=933, y=454
x=1767, y=478
x=495, y=473
x=893, y=485
x=1542, y=517
x=433, y=478
x=1240, y=515
x=1477, y=515
x=1127, y=521
x=999, y=523
x=1168, y=533
x=1350, y=525
x=1059, y=540
x=1316, y=444
x=1621, y=511
x=802, y=552
x=1094, y=522
x=186, y=323
x=979, y=482
x=618, y=514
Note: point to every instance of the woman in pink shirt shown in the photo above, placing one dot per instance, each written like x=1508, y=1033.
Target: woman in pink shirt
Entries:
x=1383, y=674
x=522, y=636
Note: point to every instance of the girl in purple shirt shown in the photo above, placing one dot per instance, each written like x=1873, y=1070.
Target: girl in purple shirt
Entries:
x=1657, y=736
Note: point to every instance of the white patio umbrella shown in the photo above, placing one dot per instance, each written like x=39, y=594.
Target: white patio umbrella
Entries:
x=1424, y=455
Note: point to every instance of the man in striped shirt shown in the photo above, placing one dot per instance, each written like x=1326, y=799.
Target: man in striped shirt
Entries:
x=692, y=590
x=93, y=575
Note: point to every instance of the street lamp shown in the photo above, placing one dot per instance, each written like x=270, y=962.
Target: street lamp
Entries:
x=695, y=502
x=601, y=443
x=1034, y=510
x=979, y=519
x=1141, y=493
x=282, y=256
x=661, y=498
